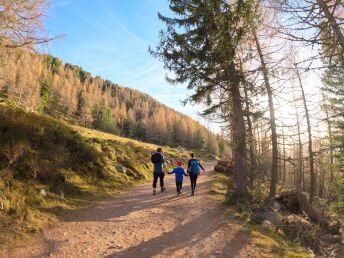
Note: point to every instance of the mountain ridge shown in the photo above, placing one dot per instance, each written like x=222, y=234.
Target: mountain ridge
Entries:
x=45, y=84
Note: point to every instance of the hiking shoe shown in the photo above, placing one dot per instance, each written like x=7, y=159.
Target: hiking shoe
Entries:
x=154, y=192
x=163, y=189
x=192, y=193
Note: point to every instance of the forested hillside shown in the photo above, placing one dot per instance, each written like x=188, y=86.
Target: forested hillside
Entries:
x=43, y=83
x=271, y=72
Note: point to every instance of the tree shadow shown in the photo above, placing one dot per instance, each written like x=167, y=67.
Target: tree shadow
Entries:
x=122, y=205
x=50, y=246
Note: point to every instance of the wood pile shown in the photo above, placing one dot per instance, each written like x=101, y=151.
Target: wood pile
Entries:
x=224, y=166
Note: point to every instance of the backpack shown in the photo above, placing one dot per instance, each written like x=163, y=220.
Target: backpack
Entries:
x=156, y=158
x=194, y=166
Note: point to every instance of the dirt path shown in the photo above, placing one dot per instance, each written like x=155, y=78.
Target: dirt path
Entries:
x=138, y=224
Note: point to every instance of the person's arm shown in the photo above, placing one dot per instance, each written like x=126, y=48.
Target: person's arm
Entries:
x=189, y=165
x=201, y=166
x=172, y=172
x=185, y=174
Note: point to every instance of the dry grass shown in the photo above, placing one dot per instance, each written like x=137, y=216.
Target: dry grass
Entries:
x=38, y=152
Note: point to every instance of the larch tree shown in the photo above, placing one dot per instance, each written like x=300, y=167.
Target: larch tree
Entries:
x=21, y=23
x=266, y=76
x=310, y=140
x=200, y=47
x=304, y=20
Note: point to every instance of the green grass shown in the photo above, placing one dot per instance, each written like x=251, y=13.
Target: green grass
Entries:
x=38, y=152
x=219, y=184
x=273, y=244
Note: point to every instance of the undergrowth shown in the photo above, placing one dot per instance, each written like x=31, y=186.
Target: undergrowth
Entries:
x=269, y=242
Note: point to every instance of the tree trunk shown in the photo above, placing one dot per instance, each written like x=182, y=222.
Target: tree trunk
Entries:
x=295, y=168
x=310, y=148
x=239, y=141
x=284, y=158
x=300, y=171
x=259, y=137
x=322, y=177
x=274, y=165
x=329, y=129
x=251, y=138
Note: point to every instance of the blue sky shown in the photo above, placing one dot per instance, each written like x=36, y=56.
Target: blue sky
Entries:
x=110, y=38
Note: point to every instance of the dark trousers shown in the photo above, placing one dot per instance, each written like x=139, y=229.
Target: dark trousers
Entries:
x=179, y=186
x=193, y=180
x=155, y=180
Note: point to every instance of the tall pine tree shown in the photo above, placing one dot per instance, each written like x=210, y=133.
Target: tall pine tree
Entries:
x=200, y=47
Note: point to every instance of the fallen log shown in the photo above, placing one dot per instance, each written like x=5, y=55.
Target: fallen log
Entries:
x=296, y=202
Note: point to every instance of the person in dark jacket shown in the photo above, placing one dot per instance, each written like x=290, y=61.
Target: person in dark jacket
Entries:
x=180, y=173
x=193, y=169
x=158, y=161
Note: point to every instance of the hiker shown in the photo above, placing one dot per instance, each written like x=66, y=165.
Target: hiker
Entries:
x=158, y=161
x=179, y=171
x=193, y=170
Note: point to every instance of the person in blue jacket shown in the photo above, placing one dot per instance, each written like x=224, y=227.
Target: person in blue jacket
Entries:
x=194, y=169
x=179, y=171
x=158, y=160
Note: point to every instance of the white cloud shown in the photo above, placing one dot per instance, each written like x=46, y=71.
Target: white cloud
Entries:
x=147, y=71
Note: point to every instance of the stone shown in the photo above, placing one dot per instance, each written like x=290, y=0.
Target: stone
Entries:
x=272, y=216
x=43, y=193
x=120, y=168
x=266, y=224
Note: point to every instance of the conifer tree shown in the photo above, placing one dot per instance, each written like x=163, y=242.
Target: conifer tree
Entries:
x=200, y=46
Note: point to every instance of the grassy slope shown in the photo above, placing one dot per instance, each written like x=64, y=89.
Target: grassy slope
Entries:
x=40, y=153
x=269, y=242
